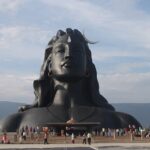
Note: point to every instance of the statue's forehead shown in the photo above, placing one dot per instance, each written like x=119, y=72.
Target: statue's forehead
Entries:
x=62, y=39
x=66, y=40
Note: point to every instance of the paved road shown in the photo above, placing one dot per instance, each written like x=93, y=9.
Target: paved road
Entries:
x=73, y=148
x=63, y=148
x=46, y=147
x=94, y=146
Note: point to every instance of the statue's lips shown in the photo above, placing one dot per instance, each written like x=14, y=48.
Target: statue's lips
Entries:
x=67, y=64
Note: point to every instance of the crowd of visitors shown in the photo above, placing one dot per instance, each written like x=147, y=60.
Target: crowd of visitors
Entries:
x=24, y=132
x=37, y=134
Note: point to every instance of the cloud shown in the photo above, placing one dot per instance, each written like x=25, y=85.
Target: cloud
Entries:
x=133, y=67
x=26, y=42
x=11, y=34
x=132, y=88
x=9, y=5
x=120, y=21
x=17, y=88
x=121, y=24
x=106, y=53
x=89, y=12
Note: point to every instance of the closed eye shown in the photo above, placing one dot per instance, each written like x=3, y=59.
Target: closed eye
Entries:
x=60, y=50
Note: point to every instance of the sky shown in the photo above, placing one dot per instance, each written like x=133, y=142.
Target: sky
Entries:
x=121, y=54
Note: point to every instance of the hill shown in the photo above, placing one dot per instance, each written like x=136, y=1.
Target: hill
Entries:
x=7, y=108
x=140, y=111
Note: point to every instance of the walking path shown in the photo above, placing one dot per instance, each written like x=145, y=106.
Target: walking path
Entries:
x=94, y=146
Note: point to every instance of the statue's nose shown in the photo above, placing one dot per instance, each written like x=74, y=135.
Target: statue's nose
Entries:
x=68, y=53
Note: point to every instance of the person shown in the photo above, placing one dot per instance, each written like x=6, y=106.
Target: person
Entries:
x=24, y=135
x=45, y=138
x=89, y=138
x=72, y=138
x=5, y=139
x=84, y=139
x=27, y=129
x=37, y=133
x=103, y=131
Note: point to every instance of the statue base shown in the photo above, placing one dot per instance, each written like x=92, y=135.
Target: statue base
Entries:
x=58, y=114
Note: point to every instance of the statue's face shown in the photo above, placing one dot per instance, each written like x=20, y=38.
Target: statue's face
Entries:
x=68, y=60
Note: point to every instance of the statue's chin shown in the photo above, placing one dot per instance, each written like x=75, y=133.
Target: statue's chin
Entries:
x=68, y=78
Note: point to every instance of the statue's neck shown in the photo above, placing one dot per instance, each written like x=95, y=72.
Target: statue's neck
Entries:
x=70, y=93
x=70, y=87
